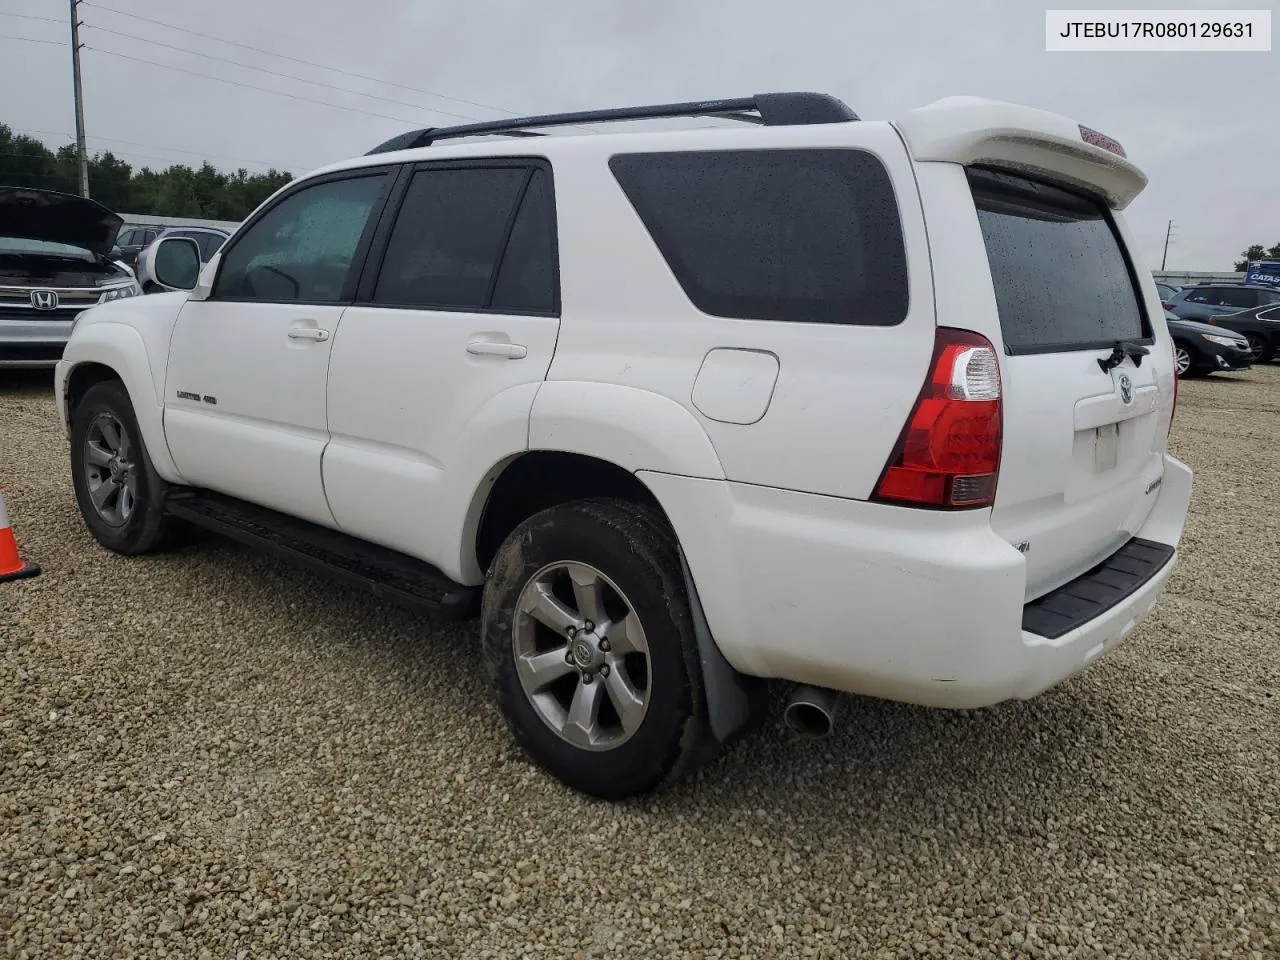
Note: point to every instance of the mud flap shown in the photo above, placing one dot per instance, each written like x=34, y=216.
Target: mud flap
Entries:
x=734, y=700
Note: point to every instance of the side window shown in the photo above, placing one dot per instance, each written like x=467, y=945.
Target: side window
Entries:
x=1269, y=296
x=812, y=236
x=126, y=239
x=1203, y=295
x=527, y=279
x=150, y=236
x=1238, y=297
x=303, y=247
x=208, y=243
x=447, y=245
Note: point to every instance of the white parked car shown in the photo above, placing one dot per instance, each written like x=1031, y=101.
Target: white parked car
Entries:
x=867, y=407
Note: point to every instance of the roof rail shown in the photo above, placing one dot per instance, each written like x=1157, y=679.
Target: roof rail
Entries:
x=770, y=109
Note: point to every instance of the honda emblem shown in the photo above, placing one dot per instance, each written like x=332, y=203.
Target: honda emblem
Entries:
x=44, y=299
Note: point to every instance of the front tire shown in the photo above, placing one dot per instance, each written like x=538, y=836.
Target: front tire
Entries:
x=589, y=644
x=120, y=495
x=1259, y=347
x=1184, y=364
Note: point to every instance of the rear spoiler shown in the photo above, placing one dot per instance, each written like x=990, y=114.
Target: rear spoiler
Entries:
x=971, y=130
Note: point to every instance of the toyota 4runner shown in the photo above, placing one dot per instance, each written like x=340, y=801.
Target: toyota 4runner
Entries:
x=867, y=407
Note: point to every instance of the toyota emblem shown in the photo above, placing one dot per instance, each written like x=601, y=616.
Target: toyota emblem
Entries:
x=44, y=299
x=1126, y=388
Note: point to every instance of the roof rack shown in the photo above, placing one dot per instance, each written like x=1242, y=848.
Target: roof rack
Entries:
x=769, y=109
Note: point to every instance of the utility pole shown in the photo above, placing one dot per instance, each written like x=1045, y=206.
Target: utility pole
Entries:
x=81, y=155
x=1167, y=232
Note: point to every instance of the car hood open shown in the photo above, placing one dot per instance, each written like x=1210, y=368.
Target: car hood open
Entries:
x=58, y=218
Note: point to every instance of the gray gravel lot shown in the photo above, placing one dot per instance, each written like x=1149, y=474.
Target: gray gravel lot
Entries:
x=209, y=754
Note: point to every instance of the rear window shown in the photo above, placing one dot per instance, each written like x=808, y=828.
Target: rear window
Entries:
x=810, y=236
x=1062, y=280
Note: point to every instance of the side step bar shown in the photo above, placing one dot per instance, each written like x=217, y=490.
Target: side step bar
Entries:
x=389, y=575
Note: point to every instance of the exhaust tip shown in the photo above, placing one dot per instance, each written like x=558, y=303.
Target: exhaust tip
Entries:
x=808, y=720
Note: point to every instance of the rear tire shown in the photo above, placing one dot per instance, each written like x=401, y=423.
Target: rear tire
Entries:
x=120, y=495
x=585, y=617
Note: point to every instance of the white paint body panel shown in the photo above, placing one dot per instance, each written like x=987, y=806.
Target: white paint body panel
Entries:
x=876, y=600
x=413, y=424
x=762, y=441
x=263, y=439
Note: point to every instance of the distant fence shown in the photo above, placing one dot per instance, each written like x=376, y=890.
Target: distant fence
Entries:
x=141, y=218
x=1181, y=277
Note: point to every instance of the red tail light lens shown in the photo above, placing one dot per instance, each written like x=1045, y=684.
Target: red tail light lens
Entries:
x=948, y=455
x=1167, y=306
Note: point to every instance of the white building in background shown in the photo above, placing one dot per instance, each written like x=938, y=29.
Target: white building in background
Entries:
x=141, y=219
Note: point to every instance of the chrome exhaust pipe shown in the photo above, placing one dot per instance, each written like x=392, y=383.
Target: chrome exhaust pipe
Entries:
x=811, y=711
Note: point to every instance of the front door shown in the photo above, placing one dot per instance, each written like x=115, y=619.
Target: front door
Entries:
x=245, y=393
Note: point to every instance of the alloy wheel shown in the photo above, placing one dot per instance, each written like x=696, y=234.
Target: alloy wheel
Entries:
x=581, y=655
x=111, y=473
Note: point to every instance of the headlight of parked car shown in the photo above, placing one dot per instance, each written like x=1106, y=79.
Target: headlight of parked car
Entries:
x=119, y=293
x=1225, y=341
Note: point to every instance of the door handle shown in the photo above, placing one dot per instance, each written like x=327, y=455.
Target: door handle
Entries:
x=494, y=348
x=308, y=333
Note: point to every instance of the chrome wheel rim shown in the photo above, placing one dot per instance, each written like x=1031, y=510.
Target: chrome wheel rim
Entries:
x=581, y=656
x=111, y=475
x=1182, y=360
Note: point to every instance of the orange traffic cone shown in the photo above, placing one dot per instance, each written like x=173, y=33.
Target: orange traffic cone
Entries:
x=12, y=566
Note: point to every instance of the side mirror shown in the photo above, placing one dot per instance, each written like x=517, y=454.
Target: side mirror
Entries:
x=175, y=263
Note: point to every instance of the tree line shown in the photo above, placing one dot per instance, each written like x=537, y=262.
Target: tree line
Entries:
x=176, y=191
x=1257, y=252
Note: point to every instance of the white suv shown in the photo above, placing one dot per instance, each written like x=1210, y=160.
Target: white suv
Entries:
x=867, y=407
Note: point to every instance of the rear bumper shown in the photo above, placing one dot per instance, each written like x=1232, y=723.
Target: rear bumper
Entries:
x=922, y=607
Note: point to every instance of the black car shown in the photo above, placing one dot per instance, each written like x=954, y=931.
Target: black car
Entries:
x=132, y=241
x=1260, y=326
x=1200, y=349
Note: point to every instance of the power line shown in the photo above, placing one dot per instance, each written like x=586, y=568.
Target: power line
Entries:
x=309, y=63
x=251, y=86
x=55, y=43
x=27, y=16
x=276, y=73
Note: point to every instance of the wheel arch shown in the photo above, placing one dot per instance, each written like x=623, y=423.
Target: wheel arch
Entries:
x=114, y=351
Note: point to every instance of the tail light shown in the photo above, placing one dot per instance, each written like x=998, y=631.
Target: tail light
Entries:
x=948, y=455
x=1167, y=306
x=1173, y=348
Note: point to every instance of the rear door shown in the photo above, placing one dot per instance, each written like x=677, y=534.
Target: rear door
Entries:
x=440, y=357
x=1083, y=439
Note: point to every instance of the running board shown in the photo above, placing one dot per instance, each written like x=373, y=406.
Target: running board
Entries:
x=388, y=574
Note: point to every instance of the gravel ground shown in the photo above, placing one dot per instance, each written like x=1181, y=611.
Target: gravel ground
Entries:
x=208, y=754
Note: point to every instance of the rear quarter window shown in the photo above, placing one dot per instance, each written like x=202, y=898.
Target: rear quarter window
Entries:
x=806, y=236
x=1061, y=277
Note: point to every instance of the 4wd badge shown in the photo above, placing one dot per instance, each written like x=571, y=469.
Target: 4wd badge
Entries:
x=1126, y=388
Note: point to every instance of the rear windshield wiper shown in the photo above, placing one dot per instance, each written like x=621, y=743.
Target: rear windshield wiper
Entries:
x=1122, y=349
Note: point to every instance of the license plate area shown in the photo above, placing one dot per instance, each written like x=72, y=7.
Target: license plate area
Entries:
x=1106, y=447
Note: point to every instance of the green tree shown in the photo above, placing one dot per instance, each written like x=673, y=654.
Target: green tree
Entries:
x=1257, y=252
x=176, y=191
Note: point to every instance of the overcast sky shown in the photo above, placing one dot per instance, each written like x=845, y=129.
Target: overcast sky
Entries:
x=1204, y=126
